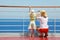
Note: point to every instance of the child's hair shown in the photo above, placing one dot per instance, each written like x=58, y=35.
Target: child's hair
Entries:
x=43, y=13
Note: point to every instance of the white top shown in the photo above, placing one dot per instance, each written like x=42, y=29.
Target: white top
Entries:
x=43, y=22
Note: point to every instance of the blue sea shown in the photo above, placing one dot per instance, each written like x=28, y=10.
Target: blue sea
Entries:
x=21, y=25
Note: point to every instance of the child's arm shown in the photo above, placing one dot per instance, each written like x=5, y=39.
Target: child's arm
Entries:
x=37, y=16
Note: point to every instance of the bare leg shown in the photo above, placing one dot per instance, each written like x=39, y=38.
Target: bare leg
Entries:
x=32, y=33
x=46, y=34
x=41, y=34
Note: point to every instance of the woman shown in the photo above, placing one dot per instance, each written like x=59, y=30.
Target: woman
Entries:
x=32, y=25
x=43, y=29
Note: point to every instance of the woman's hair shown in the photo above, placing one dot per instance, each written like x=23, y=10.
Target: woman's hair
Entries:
x=43, y=13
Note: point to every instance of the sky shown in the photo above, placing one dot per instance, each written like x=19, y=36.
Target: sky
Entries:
x=17, y=14
x=30, y=2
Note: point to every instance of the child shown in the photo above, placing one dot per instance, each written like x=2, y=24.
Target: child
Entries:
x=32, y=25
x=43, y=29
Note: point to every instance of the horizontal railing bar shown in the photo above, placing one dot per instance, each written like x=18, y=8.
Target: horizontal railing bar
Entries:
x=30, y=6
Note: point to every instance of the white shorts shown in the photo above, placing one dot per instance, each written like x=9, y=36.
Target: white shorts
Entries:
x=34, y=25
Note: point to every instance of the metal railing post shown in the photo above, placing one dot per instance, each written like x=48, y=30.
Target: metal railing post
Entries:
x=55, y=26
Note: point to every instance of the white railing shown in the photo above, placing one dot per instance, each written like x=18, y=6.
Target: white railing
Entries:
x=29, y=7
